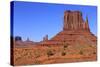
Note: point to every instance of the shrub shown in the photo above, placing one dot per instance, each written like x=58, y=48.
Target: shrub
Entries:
x=81, y=52
x=63, y=53
x=37, y=54
x=50, y=53
x=94, y=52
x=37, y=62
x=65, y=46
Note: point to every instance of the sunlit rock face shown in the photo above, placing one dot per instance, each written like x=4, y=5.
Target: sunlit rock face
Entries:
x=73, y=21
x=74, y=28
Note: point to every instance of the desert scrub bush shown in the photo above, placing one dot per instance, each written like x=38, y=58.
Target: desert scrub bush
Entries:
x=94, y=52
x=63, y=53
x=37, y=62
x=65, y=45
x=81, y=52
x=17, y=58
x=36, y=54
x=50, y=53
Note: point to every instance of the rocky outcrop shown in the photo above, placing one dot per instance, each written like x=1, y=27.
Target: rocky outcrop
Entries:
x=74, y=27
x=73, y=21
x=18, y=38
x=45, y=38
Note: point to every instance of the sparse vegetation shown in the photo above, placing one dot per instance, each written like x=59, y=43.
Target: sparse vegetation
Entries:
x=37, y=54
x=36, y=62
x=81, y=52
x=50, y=53
x=63, y=53
x=65, y=45
x=94, y=52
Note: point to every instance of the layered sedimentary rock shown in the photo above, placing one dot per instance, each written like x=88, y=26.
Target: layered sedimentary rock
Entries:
x=73, y=21
x=74, y=27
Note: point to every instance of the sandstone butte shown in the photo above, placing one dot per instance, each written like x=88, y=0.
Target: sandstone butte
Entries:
x=75, y=28
x=73, y=43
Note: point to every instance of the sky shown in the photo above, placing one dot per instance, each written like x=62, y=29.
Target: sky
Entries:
x=34, y=20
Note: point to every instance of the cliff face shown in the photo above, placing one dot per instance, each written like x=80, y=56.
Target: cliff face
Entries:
x=73, y=21
x=74, y=28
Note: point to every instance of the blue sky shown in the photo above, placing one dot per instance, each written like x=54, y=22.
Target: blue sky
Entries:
x=35, y=20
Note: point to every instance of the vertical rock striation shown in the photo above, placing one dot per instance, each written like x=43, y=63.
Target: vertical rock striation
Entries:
x=73, y=21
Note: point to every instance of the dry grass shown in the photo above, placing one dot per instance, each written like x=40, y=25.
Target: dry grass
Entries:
x=45, y=54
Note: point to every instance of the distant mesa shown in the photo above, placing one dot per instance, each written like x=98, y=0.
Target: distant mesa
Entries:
x=45, y=38
x=18, y=38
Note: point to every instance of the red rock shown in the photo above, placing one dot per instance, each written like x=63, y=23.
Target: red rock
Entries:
x=74, y=27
